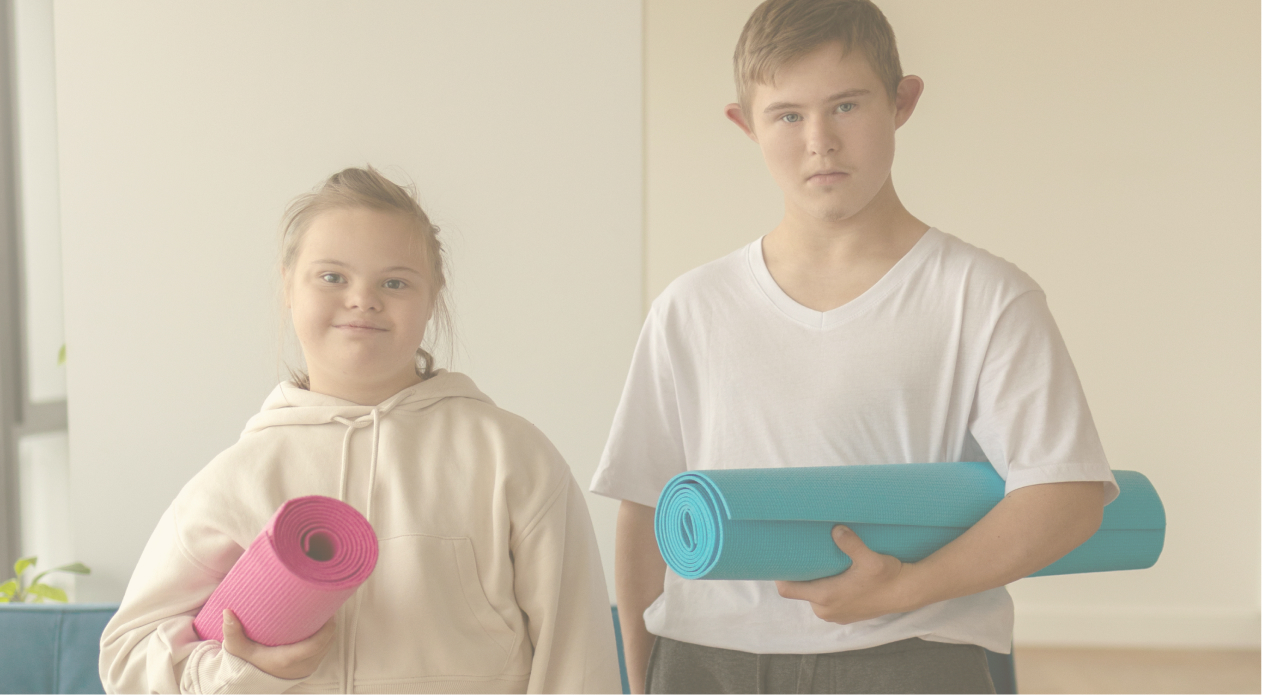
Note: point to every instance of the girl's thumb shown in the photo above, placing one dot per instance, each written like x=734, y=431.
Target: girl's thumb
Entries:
x=234, y=640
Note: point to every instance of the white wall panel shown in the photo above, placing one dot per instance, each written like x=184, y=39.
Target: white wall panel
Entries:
x=187, y=127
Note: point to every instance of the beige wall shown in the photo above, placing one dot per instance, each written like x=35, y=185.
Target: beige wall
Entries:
x=187, y=127
x=1114, y=158
x=1111, y=151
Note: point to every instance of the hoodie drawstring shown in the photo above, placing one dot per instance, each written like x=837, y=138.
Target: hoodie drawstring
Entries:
x=351, y=426
x=373, y=418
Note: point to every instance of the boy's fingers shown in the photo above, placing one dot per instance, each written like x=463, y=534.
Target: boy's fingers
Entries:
x=849, y=543
x=801, y=591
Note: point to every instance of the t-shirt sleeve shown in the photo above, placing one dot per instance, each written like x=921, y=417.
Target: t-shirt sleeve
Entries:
x=645, y=447
x=1030, y=416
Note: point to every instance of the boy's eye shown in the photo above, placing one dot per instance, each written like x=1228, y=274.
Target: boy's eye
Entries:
x=791, y=118
x=331, y=277
x=394, y=284
x=846, y=107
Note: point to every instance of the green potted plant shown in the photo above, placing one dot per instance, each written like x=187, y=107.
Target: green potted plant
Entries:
x=17, y=590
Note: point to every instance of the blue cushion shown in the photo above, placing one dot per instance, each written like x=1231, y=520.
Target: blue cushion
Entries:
x=52, y=648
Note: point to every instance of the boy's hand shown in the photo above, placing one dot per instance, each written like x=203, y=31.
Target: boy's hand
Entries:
x=870, y=588
x=289, y=661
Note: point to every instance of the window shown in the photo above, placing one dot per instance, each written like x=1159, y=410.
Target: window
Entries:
x=32, y=377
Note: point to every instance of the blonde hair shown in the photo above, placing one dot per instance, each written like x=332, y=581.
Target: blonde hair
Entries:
x=368, y=188
x=781, y=32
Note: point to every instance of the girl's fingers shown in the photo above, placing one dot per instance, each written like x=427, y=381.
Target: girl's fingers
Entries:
x=297, y=660
x=235, y=641
x=315, y=645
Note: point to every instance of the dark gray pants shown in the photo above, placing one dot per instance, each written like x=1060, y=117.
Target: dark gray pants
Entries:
x=906, y=666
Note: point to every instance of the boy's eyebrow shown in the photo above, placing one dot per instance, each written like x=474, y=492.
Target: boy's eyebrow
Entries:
x=332, y=261
x=849, y=93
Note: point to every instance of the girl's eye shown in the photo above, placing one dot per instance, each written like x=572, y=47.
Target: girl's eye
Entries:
x=791, y=118
x=394, y=284
x=846, y=107
x=331, y=278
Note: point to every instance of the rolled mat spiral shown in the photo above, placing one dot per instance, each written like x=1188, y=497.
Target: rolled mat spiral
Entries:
x=307, y=561
x=776, y=523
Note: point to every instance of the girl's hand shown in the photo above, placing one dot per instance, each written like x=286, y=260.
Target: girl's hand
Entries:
x=289, y=661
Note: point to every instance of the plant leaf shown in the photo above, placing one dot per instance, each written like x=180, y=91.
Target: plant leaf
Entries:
x=61, y=355
x=22, y=564
x=76, y=567
x=9, y=588
x=47, y=591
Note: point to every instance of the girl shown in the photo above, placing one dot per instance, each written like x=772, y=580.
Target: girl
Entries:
x=488, y=577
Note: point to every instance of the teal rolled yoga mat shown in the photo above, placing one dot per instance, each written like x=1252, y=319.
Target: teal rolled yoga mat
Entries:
x=776, y=523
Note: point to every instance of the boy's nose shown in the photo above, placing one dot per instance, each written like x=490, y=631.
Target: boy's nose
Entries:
x=822, y=140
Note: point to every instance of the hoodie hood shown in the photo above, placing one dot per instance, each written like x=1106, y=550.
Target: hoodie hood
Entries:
x=289, y=405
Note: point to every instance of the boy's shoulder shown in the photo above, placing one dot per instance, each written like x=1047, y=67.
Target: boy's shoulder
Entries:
x=712, y=276
x=953, y=262
x=709, y=284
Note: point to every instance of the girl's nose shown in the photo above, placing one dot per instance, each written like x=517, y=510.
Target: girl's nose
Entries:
x=364, y=298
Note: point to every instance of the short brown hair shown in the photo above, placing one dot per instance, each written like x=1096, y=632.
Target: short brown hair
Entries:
x=781, y=32
x=369, y=188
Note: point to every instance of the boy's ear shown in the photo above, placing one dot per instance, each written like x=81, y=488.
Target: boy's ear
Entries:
x=909, y=90
x=736, y=115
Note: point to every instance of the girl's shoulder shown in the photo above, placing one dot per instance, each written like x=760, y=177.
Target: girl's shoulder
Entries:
x=492, y=435
x=485, y=446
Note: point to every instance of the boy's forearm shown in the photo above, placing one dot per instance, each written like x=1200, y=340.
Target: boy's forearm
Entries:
x=1030, y=529
x=639, y=573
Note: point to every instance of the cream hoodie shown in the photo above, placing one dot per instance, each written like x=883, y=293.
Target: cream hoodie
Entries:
x=488, y=579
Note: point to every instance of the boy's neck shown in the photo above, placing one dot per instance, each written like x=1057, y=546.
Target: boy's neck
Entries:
x=823, y=263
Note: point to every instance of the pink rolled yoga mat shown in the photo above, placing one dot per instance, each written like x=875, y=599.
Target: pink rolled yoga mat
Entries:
x=307, y=561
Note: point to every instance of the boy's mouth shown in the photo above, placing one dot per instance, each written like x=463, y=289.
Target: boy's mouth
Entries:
x=827, y=176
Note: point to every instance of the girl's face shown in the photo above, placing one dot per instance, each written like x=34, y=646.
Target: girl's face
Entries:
x=359, y=296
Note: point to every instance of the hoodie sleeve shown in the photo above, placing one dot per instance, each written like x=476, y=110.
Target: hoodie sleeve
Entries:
x=560, y=586
x=149, y=646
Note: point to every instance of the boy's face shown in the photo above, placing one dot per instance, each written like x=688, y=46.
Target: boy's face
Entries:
x=826, y=129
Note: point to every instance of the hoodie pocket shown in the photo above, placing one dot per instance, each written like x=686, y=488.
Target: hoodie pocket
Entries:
x=423, y=613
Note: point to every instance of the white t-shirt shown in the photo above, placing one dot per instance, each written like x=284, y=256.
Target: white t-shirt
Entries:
x=951, y=356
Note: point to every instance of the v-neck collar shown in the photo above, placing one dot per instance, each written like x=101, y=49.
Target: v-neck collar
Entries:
x=834, y=317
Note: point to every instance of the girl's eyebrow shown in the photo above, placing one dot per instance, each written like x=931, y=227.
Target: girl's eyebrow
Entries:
x=393, y=269
x=848, y=94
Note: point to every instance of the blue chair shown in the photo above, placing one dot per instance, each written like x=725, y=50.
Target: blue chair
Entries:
x=1002, y=671
x=52, y=647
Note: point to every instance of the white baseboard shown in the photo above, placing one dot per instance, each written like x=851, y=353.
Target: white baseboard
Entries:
x=1165, y=627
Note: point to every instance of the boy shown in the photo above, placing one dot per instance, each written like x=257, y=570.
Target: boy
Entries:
x=852, y=333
